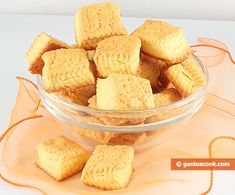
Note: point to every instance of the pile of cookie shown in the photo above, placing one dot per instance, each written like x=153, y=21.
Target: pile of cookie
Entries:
x=110, y=70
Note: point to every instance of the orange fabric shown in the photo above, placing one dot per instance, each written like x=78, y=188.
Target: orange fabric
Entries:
x=209, y=133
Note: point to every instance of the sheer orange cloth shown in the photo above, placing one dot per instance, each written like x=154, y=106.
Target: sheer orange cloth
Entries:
x=31, y=124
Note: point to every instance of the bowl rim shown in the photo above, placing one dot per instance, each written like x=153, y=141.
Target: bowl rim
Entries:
x=88, y=109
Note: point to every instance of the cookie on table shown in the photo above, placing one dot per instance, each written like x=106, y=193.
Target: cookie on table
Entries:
x=117, y=54
x=163, y=41
x=66, y=69
x=78, y=96
x=124, y=92
x=96, y=22
x=40, y=45
x=61, y=157
x=109, y=167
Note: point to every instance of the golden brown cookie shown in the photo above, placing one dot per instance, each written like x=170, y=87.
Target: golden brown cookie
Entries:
x=163, y=41
x=96, y=22
x=118, y=54
x=191, y=66
x=181, y=79
x=66, y=69
x=124, y=92
x=40, y=45
x=109, y=167
x=186, y=80
x=61, y=157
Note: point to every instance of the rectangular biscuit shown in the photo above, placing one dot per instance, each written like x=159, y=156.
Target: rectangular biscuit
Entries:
x=66, y=69
x=42, y=43
x=193, y=68
x=182, y=80
x=61, y=157
x=109, y=167
x=96, y=22
x=118, y=54
x=124, y=92
x=163, y=40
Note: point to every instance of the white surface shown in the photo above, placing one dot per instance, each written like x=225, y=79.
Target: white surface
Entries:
x=17, y=32
x=199, y=9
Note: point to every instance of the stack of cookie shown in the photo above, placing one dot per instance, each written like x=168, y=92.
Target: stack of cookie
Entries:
x=111, y=70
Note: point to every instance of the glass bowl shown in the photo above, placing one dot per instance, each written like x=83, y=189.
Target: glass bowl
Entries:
x=138, y=128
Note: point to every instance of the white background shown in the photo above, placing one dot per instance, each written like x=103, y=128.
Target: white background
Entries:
x=185, y=9
x=17, y=32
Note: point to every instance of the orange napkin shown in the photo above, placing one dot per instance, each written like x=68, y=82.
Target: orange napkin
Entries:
x=31, y=124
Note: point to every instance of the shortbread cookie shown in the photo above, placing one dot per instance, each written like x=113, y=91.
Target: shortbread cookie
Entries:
x=79, y=96
x=61, y=157
x=66, y=69
x=40, y=45
x=149, y=70
x=124, y=92
x=187, y=82
x=166, y=97
x=163, y=40
x=96, y=22
x=118, y=54
x=192, y=67
x=109, y=167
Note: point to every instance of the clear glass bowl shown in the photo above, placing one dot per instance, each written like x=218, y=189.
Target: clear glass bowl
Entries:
x=139, y=128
